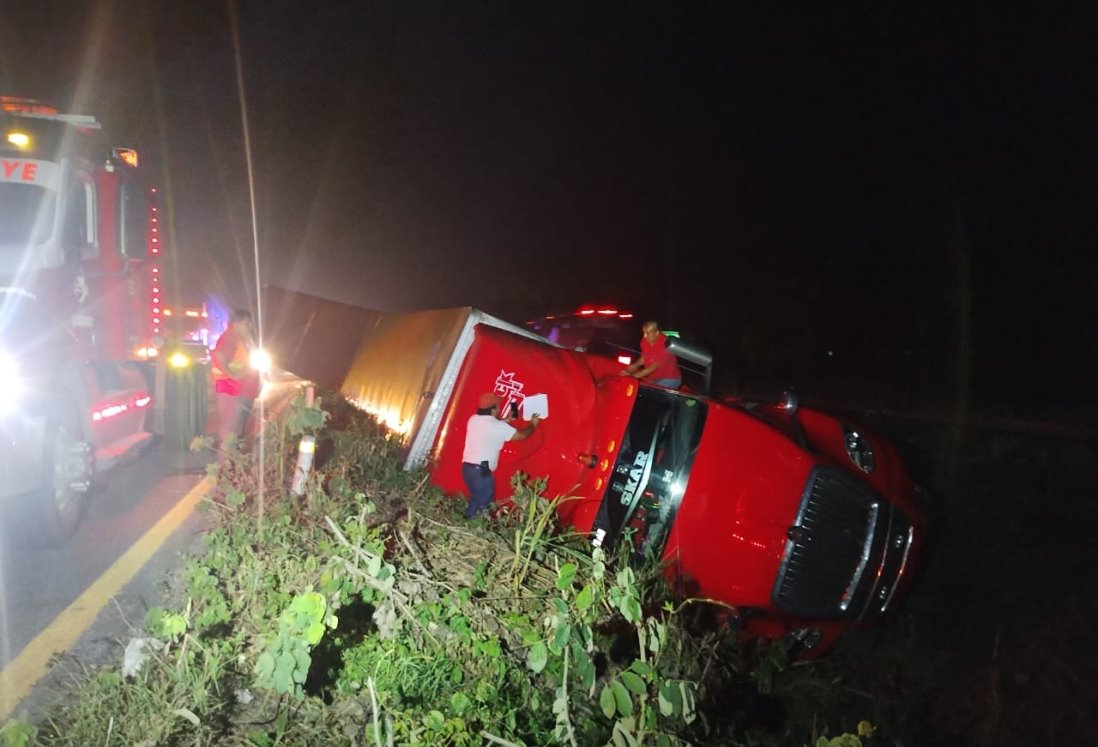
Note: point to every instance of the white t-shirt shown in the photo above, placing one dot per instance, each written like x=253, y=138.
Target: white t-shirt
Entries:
x=485, y=435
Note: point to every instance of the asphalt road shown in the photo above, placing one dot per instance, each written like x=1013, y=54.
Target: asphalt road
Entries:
x=59, y=603
x=37, y=584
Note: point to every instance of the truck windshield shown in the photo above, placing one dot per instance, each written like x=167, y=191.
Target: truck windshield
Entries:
x=652, y=468
x=26, y=214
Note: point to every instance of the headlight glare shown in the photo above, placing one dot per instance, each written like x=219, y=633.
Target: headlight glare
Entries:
x=260, y=360
x=11, y=382
x=179, y=359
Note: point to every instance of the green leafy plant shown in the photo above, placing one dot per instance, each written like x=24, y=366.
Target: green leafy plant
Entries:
x=285, y=664
x=17, y=733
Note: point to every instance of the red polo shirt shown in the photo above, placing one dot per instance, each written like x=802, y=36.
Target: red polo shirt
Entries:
x=246, y=378
x=658, y=354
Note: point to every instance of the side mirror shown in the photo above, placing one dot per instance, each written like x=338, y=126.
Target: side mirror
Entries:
x=790, y=402
x=695, y=354
x=133, y=220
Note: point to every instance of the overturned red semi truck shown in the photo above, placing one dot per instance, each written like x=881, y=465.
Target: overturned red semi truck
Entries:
x=80, y=296
x=806, y=523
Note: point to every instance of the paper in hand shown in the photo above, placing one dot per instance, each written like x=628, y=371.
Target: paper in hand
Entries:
x=535, y=404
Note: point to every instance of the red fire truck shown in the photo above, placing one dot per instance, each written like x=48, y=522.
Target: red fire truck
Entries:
x=80, y=293
x=804, y=522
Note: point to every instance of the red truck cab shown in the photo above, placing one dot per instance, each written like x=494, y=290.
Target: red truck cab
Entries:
x=804, y=523
x=80, y=296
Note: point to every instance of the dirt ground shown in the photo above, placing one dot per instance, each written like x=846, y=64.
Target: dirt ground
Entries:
x=1004, y=646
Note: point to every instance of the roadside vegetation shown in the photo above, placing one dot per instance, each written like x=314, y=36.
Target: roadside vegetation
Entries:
x=368, y=611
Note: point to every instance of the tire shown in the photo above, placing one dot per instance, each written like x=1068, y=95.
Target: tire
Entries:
x=55, y=509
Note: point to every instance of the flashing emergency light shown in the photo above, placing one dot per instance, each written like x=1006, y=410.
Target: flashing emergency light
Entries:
x=19, y=139
x=602, y=311
x=19, y=105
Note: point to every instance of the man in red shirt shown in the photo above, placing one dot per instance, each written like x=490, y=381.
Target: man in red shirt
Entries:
x=656, y=365
x=236, y=383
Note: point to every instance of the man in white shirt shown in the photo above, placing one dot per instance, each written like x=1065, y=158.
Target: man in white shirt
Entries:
x=485, y=435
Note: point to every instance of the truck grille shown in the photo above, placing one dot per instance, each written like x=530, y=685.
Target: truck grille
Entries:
x=845, y=553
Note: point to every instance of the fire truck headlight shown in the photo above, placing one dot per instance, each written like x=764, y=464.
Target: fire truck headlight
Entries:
x=11, y=383
x=260, y=360
x=179, y=359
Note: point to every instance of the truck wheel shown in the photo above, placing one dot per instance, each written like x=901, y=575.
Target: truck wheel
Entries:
x=67, y=472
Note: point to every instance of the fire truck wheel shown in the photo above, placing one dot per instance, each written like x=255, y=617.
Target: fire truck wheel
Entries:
x=67, y=472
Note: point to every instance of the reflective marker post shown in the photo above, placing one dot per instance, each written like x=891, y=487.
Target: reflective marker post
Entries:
x=305, y=451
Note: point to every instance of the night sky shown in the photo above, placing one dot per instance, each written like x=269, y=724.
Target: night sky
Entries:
x=908, y=187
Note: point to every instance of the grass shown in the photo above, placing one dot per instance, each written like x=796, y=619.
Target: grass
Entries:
x=368, y=611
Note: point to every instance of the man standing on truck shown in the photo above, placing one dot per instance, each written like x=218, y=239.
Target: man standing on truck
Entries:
x=236, y=383
x=656, y=363
x=485, y=435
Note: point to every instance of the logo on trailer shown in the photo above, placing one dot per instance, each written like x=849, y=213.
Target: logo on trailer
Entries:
x=509, y=390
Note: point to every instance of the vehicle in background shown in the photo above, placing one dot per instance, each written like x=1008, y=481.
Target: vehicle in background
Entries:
x=80, y=302
x=607, y=331
x=805, y=523
x=187, y=331
x=600, y=330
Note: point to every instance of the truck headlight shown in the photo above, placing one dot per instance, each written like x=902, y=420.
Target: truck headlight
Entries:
x=859, y=449
x=11, y=382
x=260, y=360
x=179, y=359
